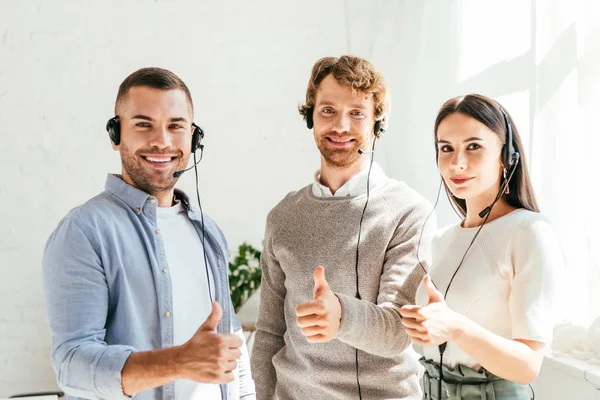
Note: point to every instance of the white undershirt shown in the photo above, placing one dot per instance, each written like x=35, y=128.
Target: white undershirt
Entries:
x=356, y=186
x=509, y=283
x=191, y=301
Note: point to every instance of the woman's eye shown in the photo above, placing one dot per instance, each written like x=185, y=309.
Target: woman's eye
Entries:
x=473, y=146
x=328, y=111
x=446, y=149
x=357, y=113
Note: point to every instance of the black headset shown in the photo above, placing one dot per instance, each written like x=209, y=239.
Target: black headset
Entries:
x=377, y=129
x=509, y=154
x=510, y=160
x=113, y=127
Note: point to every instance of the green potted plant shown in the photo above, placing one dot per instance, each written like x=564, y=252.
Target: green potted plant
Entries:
x=244, y=275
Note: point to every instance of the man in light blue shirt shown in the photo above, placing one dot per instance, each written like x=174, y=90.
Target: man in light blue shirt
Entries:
x=135, y=280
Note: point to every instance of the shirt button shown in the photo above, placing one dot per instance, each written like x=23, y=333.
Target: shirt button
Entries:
x=153, y=200
x=165, y=270
x=168, y=314
x=137, y=209
x=158, y=231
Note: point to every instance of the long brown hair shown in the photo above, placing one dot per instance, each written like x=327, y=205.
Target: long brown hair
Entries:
x=489, y=113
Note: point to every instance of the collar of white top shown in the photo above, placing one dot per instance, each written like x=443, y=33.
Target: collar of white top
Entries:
x=356, y=186
x=170, y=211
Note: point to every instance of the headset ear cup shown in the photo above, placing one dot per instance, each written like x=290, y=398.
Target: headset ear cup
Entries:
x=113, y=127
x=309, y=118
x=377, y=128
x=508, y=150
x=505, y=156
x=195, y=140
x=197, y=137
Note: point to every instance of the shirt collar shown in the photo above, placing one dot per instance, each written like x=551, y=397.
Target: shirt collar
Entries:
x=136, y=198
x=356, y=186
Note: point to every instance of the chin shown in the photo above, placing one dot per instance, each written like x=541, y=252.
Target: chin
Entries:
x=341, y=159
x=461, y=193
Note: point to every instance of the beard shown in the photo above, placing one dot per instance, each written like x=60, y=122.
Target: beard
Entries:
x=340, y=158
x=150, y=181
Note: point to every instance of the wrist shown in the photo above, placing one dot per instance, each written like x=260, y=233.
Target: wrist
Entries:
x=177, y=362
x=460, y=328
x=339, y=307
x=337, y=315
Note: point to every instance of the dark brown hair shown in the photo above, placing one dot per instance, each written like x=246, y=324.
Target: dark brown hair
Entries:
x=157, y=78
x=488, y=112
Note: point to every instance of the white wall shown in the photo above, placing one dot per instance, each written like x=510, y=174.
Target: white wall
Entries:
x=247, y=65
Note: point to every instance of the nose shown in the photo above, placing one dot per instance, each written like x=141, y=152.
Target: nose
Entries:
x=458, y=161
x=341, y=123
x=161, y=138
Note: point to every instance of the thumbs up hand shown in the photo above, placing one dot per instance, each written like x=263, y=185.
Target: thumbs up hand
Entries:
x=433, y=324
x=211, y=323
x=320, y=318
x=321, y=285
x=210, y=357
x=433, y=294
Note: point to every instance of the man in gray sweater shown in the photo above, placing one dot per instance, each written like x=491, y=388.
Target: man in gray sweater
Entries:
x=329, y=323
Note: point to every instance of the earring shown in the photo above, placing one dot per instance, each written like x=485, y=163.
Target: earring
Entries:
x=507, y=190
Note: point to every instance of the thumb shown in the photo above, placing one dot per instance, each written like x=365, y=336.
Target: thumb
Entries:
x=320, y=281
x=433, y=294
x=213, y=319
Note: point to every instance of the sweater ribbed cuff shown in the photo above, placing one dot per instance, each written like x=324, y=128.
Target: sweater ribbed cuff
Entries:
x=354, y=318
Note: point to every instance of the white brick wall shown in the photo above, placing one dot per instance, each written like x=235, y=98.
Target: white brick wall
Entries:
x=247, y=64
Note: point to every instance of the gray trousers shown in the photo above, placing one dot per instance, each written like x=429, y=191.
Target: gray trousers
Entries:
x=464, y=383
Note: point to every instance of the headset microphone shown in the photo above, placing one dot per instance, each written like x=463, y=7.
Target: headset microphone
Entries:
x=378, y=130
x=113, y=127
x=177, y=174
x=510, y=160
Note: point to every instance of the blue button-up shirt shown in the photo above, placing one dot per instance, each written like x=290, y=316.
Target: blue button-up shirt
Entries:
x=107, y=295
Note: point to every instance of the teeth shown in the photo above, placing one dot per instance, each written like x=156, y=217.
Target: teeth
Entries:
x=340, y=141
x=156, y=159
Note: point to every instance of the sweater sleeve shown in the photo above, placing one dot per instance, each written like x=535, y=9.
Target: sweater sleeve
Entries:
x=538, y=268
x=271, y=325
x=376, y=328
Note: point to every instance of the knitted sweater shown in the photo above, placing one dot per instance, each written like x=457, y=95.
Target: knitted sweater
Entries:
x=304, y=231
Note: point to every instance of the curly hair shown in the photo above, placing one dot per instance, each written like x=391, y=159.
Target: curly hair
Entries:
x=354, y=72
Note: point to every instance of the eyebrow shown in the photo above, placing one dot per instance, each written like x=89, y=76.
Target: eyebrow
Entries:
x=147, y=118
x=144, y=117
x=353, y=105
x=178, y=119
x=471, y=139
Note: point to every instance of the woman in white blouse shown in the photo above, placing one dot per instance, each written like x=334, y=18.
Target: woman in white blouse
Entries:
x=487, y=309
